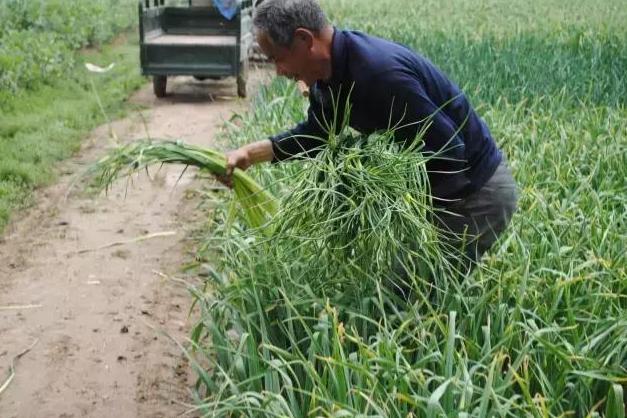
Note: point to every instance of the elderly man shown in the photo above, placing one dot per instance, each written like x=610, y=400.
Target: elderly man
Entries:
x=386, y=85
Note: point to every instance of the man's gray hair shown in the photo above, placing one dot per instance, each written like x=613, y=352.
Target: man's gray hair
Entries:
x=280, y=18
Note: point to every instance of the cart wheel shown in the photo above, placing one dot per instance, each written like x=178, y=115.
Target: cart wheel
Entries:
x=159, y=84
x=242, y=79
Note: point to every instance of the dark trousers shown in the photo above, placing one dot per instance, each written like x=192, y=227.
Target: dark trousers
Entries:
x=468, y=228
x=474, y=223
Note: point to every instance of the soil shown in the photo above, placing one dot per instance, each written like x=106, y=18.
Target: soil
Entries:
x=89, y=279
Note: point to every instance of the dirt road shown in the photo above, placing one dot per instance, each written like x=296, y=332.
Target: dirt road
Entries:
x=94, y=311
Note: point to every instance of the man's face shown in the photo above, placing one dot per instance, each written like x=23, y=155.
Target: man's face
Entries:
x=293, y=62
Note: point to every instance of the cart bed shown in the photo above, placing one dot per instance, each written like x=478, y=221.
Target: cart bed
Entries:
x=167, y=39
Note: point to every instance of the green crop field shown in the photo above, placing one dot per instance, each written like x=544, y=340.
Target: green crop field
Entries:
x=294, y=327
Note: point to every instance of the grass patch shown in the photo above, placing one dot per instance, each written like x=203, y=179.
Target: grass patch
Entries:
x=45, y=126
x=38, y=38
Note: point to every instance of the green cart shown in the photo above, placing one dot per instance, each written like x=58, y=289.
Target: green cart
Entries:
x=194, y=41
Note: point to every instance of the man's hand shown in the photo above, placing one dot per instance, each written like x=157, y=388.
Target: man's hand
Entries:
x=244, y=157
x=239, y=158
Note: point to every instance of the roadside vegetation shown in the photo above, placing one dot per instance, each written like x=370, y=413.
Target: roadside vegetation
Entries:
x=47, y=100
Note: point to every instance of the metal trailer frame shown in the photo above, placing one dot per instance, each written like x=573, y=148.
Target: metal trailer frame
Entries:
x=195, y=41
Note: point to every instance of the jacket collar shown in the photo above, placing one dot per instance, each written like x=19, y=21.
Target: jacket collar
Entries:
x=338, y=57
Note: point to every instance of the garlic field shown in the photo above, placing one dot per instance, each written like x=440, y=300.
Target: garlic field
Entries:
x=301, y=323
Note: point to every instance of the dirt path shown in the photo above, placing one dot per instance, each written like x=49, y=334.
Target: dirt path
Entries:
x=94, y=314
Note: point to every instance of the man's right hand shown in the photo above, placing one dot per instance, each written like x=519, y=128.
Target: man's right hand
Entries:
x=244, y=157
x=239, y=158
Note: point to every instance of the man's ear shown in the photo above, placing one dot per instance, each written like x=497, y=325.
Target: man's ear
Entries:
x=304, y=36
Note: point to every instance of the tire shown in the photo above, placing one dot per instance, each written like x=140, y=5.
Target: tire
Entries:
x=159, y=84
x=242, y=79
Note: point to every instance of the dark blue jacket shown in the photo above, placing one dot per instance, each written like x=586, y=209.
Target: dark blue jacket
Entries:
x=389, y=85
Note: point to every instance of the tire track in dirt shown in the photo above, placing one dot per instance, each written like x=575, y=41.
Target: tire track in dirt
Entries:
x=97, y=353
